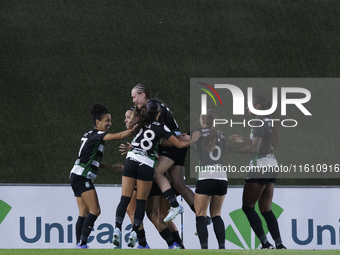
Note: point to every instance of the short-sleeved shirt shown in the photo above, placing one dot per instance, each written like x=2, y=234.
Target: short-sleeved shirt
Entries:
x=90, y=154
x=211, y=163
x=146, y=142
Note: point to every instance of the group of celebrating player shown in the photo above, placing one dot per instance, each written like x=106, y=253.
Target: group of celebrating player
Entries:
x=153, y=174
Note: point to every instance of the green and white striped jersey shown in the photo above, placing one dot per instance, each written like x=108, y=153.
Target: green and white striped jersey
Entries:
x=146, y=142
x=90, y=154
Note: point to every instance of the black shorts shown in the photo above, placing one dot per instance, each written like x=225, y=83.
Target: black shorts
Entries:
x=138, y=170
x=155, y=190
x=176, y=154
x=262, y=181
x=211, y=187
x=80, y=184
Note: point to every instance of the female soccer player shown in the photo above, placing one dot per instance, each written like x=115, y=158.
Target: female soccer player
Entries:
x=170, y=159
x=156, y=208
x=139, y=166
x=85, y=171
x=261, y=145
x=212, y=184
x=130, y=210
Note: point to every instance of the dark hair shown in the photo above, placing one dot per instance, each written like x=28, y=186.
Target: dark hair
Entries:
x=143, y=117
x=153, y=105
x=209, y=142
x=97, y=112
x=274, y=138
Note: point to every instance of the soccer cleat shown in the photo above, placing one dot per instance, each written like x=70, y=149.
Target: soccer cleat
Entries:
x=173, y=212
x=82, y=246
x=116, y=237
x=143, y=247
x=175, y=246
x=267, y=246
x=280, y=246
x=132, y=239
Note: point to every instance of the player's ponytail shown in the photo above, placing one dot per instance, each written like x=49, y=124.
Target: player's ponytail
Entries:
x=209, y=142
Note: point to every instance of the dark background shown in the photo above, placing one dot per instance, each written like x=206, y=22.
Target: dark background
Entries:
x=58, y=58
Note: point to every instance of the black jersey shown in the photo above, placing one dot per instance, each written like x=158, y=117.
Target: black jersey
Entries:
x=146, y=142
x=90, y=154
x=166, y=118
x=265, y=133
x=211, y=163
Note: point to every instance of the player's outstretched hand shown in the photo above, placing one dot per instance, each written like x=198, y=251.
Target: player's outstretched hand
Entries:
x=118, y=167
x=237, y=138
x=195, y=136
x=124, y=148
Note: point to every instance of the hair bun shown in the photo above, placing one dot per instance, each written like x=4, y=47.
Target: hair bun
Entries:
x=153, y=105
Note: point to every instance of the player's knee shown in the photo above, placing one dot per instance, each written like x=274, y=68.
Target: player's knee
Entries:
x=265, y=208
x=248, y=210
x=178, y=183
x=152, y=215
x=96, y=211
x=158, y=176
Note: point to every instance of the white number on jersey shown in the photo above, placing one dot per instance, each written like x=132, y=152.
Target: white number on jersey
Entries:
x=147, y=139
x=219, y=154
x=146, y=142
x=83, y=141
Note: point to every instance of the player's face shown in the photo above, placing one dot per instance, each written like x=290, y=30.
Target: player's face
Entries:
x=105, y=123
x=128, y=114
x=138, y=99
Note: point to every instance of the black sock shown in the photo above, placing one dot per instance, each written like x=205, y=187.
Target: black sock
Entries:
x=255, y=223
x=170, y=196
x=219, y=231
x=273, y=226
x=192, y=207
x=79, y=227
x=139, y=214
x=202, y=231
x=87, y=228
x=141, y=237
x=166, y=235
x=177, y=239
x=121, y=210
